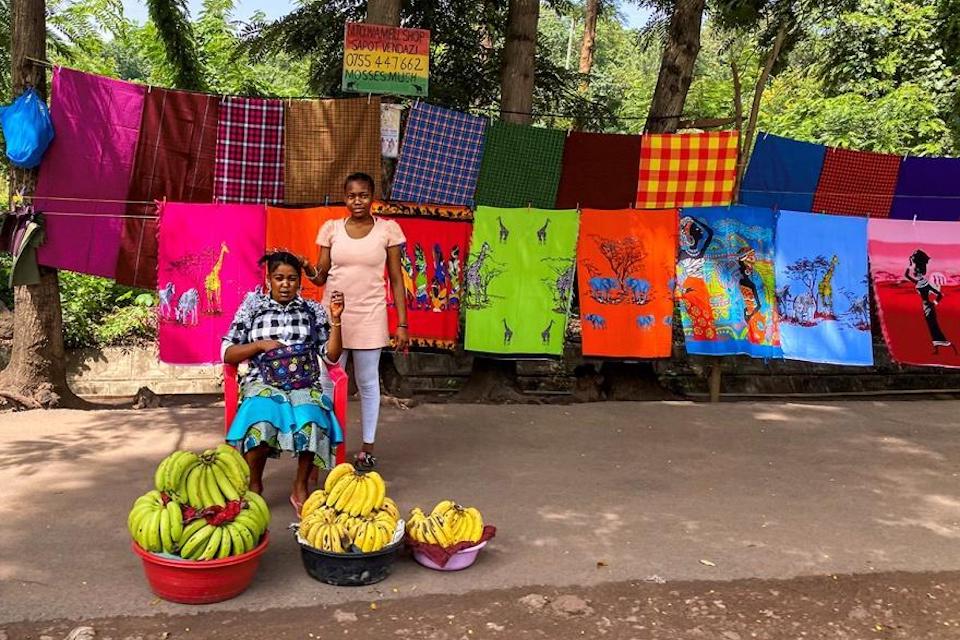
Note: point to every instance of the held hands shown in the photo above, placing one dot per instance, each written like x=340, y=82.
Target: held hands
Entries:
x=336, y=305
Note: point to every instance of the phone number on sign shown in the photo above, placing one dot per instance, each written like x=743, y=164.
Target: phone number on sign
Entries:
x=381, y=62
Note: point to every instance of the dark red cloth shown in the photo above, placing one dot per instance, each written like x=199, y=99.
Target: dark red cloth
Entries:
x=175, y=160
x=857, y=183
x=441, y=555
x=599, y=171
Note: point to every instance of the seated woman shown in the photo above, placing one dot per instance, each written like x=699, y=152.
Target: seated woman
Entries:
x=297, y=417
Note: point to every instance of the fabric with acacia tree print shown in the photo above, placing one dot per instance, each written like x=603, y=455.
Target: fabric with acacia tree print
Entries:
x=822, y=288
x=625, y=266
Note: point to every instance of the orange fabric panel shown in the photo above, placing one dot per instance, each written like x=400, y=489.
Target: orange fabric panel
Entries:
x=295, y=230
x=626, y=265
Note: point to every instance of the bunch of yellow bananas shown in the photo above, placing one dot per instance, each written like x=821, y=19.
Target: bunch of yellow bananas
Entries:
x=352, y=513
x=448, y=524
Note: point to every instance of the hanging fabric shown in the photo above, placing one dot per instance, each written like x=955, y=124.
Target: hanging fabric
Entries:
x=21, y=232
x=249, y=161
x=782, y=173
x=725, y=282
x=823, y=299
x=439, y=157
x=205, y=270
x=518, y=280
x=857, y=183
x=928, y=188
x=687, y=170
x=295, y=230
x=521, y=166
x=445, y=211
x=327, y=140
x=599, y=170
x=915, y=268
x=89, y=164
x=432, y=263
x=175, y=158
x=626, y=262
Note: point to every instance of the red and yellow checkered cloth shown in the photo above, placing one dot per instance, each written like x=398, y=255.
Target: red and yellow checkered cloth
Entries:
x=687, y=170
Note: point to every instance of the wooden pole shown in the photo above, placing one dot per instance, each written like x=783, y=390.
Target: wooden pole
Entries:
x=715, y=382
x=757, y=94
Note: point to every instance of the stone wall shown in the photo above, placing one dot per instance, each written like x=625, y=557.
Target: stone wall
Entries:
x=121, y=372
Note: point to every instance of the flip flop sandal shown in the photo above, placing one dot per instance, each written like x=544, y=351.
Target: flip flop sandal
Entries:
x=365, y=461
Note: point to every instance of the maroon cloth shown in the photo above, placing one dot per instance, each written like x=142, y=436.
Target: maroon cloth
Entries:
x=175, y=160
x=441, y=555
x=857, y=183
x=599, y=171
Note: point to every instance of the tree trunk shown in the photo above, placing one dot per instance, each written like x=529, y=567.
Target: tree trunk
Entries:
x=676, y=67
x=36, y=375
x=519, y=62
x=386, y=12
x=591, y=11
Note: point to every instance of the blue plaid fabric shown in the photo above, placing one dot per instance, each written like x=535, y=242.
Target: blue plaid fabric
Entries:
x=440, y=157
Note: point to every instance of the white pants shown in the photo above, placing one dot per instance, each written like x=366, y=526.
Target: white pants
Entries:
x=366, y=370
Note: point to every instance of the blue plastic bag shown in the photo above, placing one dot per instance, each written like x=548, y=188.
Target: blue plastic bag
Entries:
x=27, y=129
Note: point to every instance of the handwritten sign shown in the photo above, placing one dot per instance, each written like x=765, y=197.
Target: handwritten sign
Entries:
x=379, y=59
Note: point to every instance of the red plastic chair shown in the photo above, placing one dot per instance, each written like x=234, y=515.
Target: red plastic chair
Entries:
x=231, y=401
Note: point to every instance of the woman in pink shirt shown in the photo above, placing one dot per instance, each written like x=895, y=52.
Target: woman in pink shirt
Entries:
x=353, y=253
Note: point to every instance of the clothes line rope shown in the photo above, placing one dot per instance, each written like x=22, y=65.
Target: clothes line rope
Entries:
x=98, y=215
x=103, y=200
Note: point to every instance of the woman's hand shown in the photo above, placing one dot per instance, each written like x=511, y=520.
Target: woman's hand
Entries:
x=336, y=305
x=268, y=345
x=403, y=339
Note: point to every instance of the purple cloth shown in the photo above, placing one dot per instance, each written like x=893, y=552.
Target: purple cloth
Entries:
x=97, y=123
x=928, y=188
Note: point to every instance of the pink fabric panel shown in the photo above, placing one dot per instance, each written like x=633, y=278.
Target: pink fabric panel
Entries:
x=205, y=249
x=96, y=126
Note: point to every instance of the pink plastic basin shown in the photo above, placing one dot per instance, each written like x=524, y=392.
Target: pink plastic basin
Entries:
x=460, y=560
x=201, y=582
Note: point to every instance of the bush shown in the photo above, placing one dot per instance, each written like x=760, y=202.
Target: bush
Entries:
x=97, y=312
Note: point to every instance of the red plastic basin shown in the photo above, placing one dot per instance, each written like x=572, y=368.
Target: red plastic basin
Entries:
x=195, y=582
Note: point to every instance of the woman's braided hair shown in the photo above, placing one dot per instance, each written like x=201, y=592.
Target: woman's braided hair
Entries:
x=277, y=257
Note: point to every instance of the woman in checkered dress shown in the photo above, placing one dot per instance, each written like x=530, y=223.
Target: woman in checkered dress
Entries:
x=271, y=420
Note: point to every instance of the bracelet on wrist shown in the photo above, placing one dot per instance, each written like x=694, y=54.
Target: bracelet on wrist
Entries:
x=335, y=324
x=401, y=326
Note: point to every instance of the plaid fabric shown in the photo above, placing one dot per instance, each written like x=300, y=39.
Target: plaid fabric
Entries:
x=687, y=170
x=327, y=140
x=260, y=317
x=249, y=164
x=858, y=183
x=521, y=166
x=439, y=157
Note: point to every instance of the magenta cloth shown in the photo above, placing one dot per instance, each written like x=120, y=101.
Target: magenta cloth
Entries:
x=196, y=260
x=96, y=122
x=441, y=555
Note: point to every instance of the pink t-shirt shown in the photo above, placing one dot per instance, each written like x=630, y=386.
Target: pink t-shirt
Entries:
x=357, y=270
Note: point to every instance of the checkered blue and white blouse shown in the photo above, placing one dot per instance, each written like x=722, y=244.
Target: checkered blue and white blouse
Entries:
x=260, y=317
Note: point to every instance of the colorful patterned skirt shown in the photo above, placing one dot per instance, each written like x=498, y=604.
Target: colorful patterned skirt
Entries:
x=297, y=421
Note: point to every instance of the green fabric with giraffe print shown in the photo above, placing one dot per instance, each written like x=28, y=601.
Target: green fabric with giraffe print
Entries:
x=519, y=279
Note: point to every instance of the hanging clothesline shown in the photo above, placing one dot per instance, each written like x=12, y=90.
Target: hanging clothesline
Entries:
x=103, y=200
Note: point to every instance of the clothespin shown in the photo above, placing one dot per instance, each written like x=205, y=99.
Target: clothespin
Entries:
x=529, y=206
x=568, y=132
x=326, y=199
x=368, y=97
x=914, y=223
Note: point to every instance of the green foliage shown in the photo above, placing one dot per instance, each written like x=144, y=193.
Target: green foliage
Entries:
x=98, y=312
x=171, y=19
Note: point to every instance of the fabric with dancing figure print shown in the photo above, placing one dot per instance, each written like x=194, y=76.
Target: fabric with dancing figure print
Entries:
x=432, y=262
x=915, y=268
x=626, y=264
x=518, y=280
x=726, y=283
x=823, y=295
x=205, y=271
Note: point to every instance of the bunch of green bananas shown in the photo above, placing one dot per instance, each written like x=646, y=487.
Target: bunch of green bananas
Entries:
x=353, y=493
x=220, y=475
x=204, y=541
x=212, y=478
x=448, y=524
x=154, y=525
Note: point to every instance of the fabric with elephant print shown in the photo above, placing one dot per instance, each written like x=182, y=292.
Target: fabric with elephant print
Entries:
x=519, y=279
x=204, y=272
x=915, y=267
x=823, y=299
x=625, y=264
x=725, y=282
x=432, y=264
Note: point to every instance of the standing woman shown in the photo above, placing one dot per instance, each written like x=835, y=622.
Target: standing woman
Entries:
x=353, y=253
